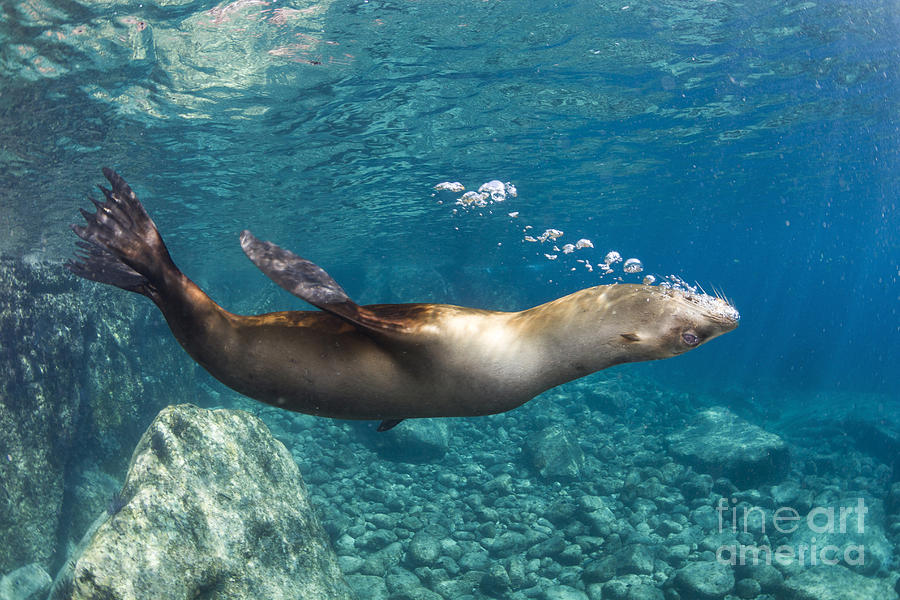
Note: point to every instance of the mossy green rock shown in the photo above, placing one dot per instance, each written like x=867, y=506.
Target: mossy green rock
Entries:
x=214, y=507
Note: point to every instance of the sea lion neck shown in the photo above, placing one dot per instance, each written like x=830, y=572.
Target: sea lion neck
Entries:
x=576, y=335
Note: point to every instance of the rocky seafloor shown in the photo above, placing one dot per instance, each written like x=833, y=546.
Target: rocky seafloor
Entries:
x=611, y=487
x=603, y=488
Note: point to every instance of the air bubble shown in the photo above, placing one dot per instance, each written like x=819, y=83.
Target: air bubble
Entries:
x=495, y=189
x=633, y=265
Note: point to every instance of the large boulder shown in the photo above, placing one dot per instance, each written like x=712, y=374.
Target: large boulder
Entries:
x=212, y=507
x=722, y=444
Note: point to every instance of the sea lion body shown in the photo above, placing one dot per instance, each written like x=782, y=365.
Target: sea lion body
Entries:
x=316, y=363
x=390, y=361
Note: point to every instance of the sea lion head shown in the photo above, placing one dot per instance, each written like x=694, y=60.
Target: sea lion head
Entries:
x=668, y=321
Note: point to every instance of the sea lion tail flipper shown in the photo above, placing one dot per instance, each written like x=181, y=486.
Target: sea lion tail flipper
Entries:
x=308, y=281
x=121, y=246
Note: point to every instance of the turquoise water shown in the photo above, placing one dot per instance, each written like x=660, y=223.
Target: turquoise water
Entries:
x=750, y=147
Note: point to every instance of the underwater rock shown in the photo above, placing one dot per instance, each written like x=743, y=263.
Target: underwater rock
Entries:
x=892, y=504
x=508, y=543
x=401, y=582
x=30, y=582
x=564, y=592
x=707, y=580
x=769, y=578
x=496, y=582
x=424, y=549
x=72, y=391
x=369, y=587
x=213, y=506
x=602, y=521
x=41, y=355
x=747, y=588
x=640, y=591
x=375, y=540
x=635, y=559
x=554, y=454
x=621, y=588
x=502, y=485
x=551, y=547
x=94, y=493
x=570, y=556
x=475, y=560
x=696, y=485
x=676, y=555
x=878, y=436
x=722, y=444
x=415, y=441
x=789, y=493
x=350, y=564
x=824, y=582
x=461, y=587
x=378, y=563
x=600, y=570
x=853, y=528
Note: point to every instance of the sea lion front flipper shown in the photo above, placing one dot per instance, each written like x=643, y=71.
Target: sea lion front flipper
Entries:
x=308, y=281
x=388, y=424
x=303, y=278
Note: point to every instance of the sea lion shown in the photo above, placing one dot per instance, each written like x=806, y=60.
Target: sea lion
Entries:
x=387, y=361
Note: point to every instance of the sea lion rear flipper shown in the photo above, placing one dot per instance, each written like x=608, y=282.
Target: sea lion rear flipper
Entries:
x=121, y=246
x=311, y=283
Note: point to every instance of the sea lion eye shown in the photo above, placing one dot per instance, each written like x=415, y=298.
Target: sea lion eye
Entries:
x=690, y=339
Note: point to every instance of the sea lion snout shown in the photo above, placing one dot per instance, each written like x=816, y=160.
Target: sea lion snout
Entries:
x=694, y=319
x=660, y=322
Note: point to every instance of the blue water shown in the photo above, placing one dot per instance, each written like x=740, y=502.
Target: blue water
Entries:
x=753, y=147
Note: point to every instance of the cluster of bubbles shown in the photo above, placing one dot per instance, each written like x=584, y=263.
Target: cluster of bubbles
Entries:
x=488, y=193
x=632, y=265
x=496, y=191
